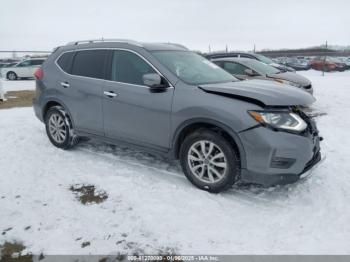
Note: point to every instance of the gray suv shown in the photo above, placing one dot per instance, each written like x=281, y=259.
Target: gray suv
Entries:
x=168, y=100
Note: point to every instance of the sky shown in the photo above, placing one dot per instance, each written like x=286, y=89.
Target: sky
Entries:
x=197, y=24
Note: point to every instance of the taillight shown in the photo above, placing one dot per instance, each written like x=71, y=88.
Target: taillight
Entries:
x=39, y=73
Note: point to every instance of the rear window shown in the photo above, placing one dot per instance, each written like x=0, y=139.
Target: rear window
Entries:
x=89, y=63
x=65, y=61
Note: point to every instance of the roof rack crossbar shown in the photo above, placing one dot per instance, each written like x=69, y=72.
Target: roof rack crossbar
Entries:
x=128, y=41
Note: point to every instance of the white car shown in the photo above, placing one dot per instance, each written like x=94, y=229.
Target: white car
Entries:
x=23, y=69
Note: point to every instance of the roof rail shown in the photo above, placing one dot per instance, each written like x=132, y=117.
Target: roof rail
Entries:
x=132, y=42
x=178, y=45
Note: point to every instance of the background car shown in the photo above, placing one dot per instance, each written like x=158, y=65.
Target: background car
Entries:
x=346, y=61
x=24, y=69
x=245, y=68
x=341, y=66
x=255, y=56
x=327, y=64
x=297, y=63
x=5, y=65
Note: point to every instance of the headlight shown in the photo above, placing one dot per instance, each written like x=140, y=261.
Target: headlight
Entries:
x=286, y=82
x=279, y=120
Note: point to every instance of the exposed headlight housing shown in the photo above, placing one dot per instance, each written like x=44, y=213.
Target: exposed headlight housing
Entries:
x=279, y=120
x=286, y=82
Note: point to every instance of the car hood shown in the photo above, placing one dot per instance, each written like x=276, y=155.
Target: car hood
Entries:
x=262, y=92
x=292, y=77
x=282, y=67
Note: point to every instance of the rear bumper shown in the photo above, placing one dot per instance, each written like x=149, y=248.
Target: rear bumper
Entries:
x=37, y=110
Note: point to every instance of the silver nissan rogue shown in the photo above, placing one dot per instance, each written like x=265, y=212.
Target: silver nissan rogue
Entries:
x=168, y=100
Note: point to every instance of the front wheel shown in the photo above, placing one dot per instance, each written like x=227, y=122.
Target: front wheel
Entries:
x=209, y=161
x=11, y=76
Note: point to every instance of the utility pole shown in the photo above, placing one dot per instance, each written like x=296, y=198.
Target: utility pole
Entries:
x=324, y=60
x=226, y=49
x=209, y=49
x=254, y=48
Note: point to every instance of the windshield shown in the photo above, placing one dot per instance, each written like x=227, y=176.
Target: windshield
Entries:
x=264, y=59
x=261, y=68
x=192, y=68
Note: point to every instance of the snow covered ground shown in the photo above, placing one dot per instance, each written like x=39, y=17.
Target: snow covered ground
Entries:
x=152, y=208
x=18, y=85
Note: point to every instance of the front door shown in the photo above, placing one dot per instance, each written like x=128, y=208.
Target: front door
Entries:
x=23, y=69
x=131, y=111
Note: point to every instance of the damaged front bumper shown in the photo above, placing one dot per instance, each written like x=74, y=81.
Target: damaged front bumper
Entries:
x=278, y=158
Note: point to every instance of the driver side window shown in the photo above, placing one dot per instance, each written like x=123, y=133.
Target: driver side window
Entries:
x=234, y=68
x=129, y=68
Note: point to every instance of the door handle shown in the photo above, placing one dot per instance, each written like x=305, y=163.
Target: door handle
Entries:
x=110, y=94
x=65, y=84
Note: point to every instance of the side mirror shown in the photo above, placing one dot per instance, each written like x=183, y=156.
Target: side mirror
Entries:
x=154, y=81
x=250, y=72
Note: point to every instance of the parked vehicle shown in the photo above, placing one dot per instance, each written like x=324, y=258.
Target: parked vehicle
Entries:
x=255, y=56
x=297, y=63
x=24, y=69
x=168, y=100
x=327, y=64
x=341, y=65
x=346, y=61
x=246, y=68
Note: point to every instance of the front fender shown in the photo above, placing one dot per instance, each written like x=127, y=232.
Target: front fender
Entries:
x=177, y=133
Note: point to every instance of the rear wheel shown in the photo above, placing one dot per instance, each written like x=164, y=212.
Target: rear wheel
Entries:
x=11, y=76
x=209, y=161
x=59, y=128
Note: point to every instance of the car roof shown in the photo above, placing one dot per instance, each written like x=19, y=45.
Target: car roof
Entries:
x=233, y=59
x=114, y=43
x=228, y=54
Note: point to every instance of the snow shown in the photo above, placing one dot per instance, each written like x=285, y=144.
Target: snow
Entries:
x=152, y=207
x=17, y=85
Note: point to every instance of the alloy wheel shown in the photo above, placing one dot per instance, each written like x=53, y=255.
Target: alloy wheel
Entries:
x=57, y=128
x=12, y=76
x=207, y=161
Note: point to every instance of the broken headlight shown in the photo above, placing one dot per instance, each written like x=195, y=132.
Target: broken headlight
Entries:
x=279, y=120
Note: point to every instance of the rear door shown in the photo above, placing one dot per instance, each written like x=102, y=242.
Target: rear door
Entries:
x=131, y=111
x=81, y=87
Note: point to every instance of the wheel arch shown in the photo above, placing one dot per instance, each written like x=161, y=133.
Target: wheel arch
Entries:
x=56, y=102
x=6, y=73
x=192, y=125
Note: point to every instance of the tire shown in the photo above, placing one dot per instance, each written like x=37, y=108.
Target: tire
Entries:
x=11, y=76
x=59, y=128
x=226, y=161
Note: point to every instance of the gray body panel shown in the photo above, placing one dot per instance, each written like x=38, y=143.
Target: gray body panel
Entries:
x=137, y=115
x=269, y=93
x=154, y=120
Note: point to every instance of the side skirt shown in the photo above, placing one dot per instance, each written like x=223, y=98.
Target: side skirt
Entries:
x=153, y=150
